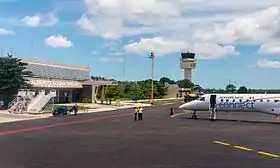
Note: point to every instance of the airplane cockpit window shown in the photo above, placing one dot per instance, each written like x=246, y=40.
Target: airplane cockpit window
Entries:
x=276, y=101
x=202, y=99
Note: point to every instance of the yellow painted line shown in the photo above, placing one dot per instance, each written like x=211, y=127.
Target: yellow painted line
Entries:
x=221, y=143
x=243, y=148
x=248, y=149
x=268, y=154
x=178, y=114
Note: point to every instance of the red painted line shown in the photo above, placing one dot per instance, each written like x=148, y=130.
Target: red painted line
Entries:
x=70, y=123
x=61, y=124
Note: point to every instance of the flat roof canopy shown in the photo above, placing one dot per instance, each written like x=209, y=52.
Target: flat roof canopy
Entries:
x=99, y=82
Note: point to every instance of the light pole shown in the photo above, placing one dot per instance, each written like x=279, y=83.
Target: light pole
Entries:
x=152, y=57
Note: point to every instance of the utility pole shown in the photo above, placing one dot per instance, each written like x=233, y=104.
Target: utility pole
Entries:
x=152, y=57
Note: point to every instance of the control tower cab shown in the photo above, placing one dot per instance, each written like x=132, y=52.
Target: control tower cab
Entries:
x=188, y=63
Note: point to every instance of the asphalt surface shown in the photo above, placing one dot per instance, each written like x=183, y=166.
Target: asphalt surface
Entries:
x=114, y=140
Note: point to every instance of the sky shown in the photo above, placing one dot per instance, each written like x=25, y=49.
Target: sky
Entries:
x=234, y=41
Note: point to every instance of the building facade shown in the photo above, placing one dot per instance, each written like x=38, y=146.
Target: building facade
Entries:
x=72, y=83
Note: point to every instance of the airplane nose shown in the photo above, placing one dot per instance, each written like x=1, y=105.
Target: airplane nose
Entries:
x=187, y=106
x=180, y=107
x=183, y=106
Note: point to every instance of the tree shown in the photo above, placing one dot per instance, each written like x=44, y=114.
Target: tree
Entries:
x=137, y=93
x=185, y=83
x=13, y=76
x=198, y=88
x=230, y=88
x=166, y=80
x=242, y=89
x=13, y=73
x=112, y=92
x=160, y=90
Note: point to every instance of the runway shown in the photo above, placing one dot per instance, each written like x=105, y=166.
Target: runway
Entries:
x=114, y=140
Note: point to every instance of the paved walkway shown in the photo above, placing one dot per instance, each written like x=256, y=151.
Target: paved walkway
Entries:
x=5, y=116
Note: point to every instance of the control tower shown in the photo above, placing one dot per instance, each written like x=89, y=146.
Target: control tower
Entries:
x=188, y=63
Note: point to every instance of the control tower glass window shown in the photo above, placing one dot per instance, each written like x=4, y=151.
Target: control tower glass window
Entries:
x=187, y=55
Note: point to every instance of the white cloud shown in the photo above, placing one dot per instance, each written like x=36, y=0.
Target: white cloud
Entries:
x=110, y=19
x=213, y=51
x=163, y=46
x=112, y=45
x=259, y=27
x=270, y=48
x=106, y=59
x=111, y=59
x=209, y=27
x=58, y=42
x=6, y=32
x=206, y=41
x=267, y=64
x=48, y=19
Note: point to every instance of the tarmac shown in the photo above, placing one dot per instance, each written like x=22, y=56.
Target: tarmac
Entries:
x=114, y=140
x=6, y=117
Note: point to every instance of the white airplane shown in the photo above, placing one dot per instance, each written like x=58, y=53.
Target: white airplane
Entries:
x=262, y=103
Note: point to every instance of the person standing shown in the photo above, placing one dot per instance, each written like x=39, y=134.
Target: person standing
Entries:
x=75, y=109
x=135, y=113
x=140, y=113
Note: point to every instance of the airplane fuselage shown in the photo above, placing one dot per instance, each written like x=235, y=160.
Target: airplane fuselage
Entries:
x=265, y=103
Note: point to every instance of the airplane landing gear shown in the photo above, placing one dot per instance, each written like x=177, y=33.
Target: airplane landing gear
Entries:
x=194, y=116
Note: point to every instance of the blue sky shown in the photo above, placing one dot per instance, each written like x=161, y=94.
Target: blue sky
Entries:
x=234, y=41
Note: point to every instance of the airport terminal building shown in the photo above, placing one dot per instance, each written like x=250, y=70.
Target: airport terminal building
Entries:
x=72, y=83
x=56, y=84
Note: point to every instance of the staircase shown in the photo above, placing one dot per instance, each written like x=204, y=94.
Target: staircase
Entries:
x=19, y=103
x=14, y=104
x=40, y=101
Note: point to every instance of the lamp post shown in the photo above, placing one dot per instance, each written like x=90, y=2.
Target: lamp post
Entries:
x=152, y=57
